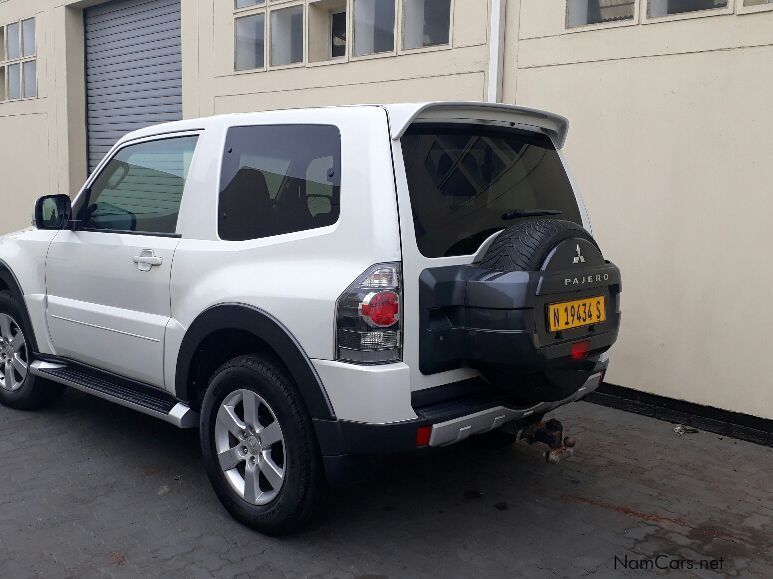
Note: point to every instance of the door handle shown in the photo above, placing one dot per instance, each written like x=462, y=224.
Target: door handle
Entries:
x=147, y=259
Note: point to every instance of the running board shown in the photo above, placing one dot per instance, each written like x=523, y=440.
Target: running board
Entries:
x=145, y=399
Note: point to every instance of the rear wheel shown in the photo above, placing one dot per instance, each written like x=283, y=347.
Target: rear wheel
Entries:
x=259, y=447
x=18, y=387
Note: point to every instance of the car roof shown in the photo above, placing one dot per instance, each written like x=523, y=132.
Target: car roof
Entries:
x=401, y=116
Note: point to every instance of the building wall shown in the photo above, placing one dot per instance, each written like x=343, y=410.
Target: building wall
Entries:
x=42, y=140
x=450, y=72
x=670, y=142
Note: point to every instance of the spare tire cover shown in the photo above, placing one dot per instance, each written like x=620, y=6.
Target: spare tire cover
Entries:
x=534, y=245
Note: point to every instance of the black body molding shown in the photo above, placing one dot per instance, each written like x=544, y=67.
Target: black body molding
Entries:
x=265, y=327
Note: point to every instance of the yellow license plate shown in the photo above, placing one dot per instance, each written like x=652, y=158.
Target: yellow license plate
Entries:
x=577, y=313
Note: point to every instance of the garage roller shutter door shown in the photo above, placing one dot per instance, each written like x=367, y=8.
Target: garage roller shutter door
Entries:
x=133, y=69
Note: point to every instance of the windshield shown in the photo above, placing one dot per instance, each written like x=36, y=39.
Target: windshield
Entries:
x=469, y=181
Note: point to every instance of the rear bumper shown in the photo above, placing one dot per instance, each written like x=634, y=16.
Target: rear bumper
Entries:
x=451, y=419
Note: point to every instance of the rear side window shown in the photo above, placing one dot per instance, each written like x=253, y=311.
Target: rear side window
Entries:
x=140, y=188
x=465, y=182
x=279, y=179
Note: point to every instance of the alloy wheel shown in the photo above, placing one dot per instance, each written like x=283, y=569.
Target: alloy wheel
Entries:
x=250, y=447
x=14, y=355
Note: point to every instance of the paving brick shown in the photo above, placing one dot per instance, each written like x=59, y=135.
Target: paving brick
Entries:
x=82, y=497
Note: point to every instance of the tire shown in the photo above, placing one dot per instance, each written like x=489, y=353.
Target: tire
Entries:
x=18, y=387
x=526, y=245
x=280, y=473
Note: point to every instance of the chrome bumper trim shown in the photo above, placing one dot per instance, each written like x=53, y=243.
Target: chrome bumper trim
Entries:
x=456, y=430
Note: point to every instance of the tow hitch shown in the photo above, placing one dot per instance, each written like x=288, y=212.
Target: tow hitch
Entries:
x=550, y=433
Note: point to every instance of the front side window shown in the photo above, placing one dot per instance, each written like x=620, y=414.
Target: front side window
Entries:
x=466, y=182
x=657, y=8
x=18, y=70
x=140, y=189
x=585, y=12
x=374, y=26
x=426, y=23
x=279, y=179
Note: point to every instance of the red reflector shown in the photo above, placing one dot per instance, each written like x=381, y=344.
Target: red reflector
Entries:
x=422, y=435
x=580, y=350
x=381, y=308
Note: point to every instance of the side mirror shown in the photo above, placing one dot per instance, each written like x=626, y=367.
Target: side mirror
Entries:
x=52, y=212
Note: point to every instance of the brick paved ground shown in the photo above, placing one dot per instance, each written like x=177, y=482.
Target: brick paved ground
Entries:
x=89, y=489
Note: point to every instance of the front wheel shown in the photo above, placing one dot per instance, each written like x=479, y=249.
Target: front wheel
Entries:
x=19, y=388
x=259, y=447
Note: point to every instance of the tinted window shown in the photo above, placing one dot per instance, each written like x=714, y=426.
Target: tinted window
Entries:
x=279, y=179
x=141, y=188
x=463, y=179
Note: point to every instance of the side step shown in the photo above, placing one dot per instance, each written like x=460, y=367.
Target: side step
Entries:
x=145, y=399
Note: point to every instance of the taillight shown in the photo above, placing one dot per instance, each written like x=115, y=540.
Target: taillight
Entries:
x=368, y=328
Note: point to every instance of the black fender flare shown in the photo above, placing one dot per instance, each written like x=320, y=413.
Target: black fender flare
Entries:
x=9, y=279
x=265, y=327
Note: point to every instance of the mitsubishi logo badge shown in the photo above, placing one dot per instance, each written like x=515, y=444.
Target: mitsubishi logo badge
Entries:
x=579, y=258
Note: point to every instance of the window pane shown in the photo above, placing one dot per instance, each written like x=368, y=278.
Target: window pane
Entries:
x=583, y=12
x=141, y=188
x=12, y=32
x=462, y=179
x=279, y=179
x=374, y=26
x=757, y=2
x=426, y=22
x=28, y=37
x=246, y=3
x=30, y=79
x=338, y=34
x=287, y=36
x=14, y=81
x=249, y=42
x=2, y=83
x=667, y=7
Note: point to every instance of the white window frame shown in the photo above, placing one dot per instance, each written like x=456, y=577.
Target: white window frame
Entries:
x=243, y=13
x=275, y=6
x=602, y=25
x=742, y=8
x=645, y=19
x=448, y=46
x=6, y=62
x=269, y=6
x=330, y=36
x=397, y=33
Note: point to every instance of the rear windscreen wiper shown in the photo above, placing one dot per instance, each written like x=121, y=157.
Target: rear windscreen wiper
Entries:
x=516, y=213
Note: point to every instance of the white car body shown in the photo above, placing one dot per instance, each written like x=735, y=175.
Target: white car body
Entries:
x=89, y=302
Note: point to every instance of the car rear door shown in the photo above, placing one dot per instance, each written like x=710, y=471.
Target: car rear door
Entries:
x=108, y=279
x=459, y=169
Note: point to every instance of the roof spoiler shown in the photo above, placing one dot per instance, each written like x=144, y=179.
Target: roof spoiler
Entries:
x=403, y=115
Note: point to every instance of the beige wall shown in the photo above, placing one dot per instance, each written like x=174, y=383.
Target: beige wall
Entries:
x=670, y=143
x=448, y=73
x=42, y=140
x=671, y=139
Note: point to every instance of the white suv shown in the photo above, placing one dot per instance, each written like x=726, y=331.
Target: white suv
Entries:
x=311, y=287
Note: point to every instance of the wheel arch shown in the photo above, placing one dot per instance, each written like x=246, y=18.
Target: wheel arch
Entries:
x=225, y=331
x=9, y=283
